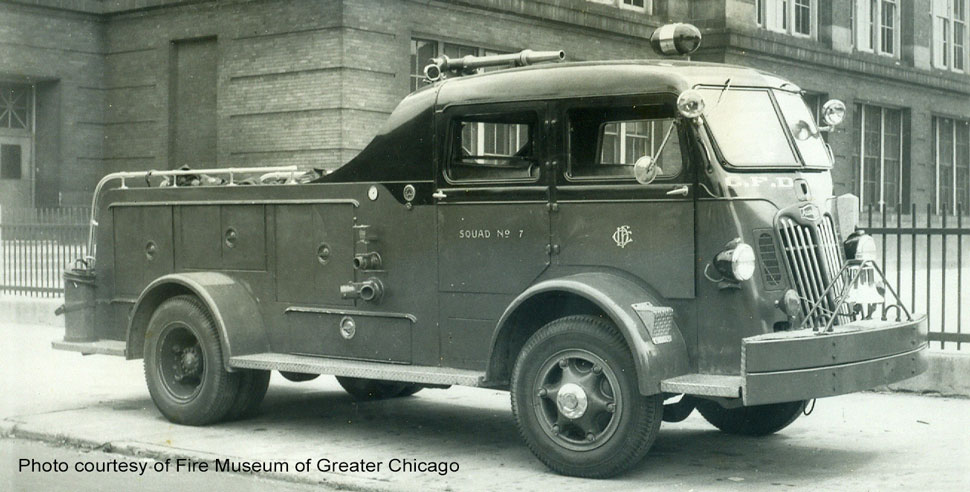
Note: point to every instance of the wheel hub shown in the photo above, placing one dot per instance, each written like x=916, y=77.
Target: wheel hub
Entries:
x=572, y=401
x=191, y=362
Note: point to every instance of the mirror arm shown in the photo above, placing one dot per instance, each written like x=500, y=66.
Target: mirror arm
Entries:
x=663, y=142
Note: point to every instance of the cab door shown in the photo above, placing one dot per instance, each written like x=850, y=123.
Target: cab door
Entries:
x=492, y=218
x=607, y=219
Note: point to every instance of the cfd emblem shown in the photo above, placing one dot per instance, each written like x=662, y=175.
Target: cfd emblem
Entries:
x=623, y=236
x=809, y=212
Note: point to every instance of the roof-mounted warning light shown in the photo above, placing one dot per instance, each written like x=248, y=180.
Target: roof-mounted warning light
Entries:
x=675, y=39
x=469, y=64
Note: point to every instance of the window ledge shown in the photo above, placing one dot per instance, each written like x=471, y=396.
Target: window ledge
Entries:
x=808, y=51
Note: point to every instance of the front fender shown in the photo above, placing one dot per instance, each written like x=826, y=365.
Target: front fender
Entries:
x=656, y=357
x=234, y=310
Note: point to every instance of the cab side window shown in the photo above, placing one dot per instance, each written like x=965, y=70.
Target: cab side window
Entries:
x=498, y=147
x=605, y=142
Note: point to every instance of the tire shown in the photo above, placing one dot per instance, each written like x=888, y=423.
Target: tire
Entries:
x=372, y=389
x=298, y=377
x=757, y=420
x=574, y=432
x=184, y=364
x=409, y=390
x=252, y=389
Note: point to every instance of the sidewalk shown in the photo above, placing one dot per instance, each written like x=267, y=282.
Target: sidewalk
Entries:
x=862, y=441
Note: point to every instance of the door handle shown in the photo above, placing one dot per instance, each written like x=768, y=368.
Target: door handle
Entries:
x=439, y=195
x=682, y=191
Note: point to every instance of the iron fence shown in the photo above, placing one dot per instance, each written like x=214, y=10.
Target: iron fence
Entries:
x=923, y=253
x=36, y=245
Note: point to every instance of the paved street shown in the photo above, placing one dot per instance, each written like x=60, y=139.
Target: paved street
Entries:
x=11, y=450
x=865, y=441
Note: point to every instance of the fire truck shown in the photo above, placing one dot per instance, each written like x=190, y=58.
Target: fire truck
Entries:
x=615, y=243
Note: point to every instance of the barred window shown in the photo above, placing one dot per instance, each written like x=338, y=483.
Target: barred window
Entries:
x=15, y=106
x=879, y=168
x=952, y=158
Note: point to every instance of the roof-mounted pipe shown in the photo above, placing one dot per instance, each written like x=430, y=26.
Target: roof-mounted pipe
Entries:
x=470, y=64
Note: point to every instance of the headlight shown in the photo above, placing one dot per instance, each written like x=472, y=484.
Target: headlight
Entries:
x=736, y=261
x=860, y=246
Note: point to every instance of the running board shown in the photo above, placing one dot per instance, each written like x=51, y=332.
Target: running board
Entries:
x=105, y=347
x=704, y=385
x=358, y=369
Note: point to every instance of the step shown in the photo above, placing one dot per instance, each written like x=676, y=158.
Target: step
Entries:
x=105, y=347
x=358, y=369
x=704, y=385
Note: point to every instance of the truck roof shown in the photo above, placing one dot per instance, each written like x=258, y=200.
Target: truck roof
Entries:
x=402, y=148
x=599, y=78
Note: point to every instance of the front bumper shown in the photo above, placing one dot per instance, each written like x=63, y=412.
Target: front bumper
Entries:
x=803, y=364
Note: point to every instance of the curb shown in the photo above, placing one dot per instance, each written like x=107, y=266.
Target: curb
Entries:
x=948, y=374
x=11, y=429
x=30, y=310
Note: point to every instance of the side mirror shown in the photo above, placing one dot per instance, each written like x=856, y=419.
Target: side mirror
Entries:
x=833, y=112
x=645, y=170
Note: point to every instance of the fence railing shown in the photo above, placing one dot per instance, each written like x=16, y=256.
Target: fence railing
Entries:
x=36, y=245
x=925, y=255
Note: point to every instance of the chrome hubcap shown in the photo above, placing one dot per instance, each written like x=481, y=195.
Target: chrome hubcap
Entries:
x=577, y=399
x=572, y=401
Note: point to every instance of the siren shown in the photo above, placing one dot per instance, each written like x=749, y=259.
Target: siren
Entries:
x=675, y=39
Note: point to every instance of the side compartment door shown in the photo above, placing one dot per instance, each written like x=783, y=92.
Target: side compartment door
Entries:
x=492, y=218
x=606, y=218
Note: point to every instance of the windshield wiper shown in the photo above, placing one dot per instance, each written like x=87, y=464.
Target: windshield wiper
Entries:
x=727, y=85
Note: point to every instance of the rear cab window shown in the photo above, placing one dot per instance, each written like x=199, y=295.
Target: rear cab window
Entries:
x=493, y=147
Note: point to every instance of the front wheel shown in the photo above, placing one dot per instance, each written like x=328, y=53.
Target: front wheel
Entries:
x=757, y=420
x=576, y=401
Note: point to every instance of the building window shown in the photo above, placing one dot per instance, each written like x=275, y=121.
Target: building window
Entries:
x=879, y=165
x=796, y=17
x=15, y=107
x=952, y=156
x=876, y=26
x=11, y=161
x=950, y=34
x=423, y=50
x=638, y=5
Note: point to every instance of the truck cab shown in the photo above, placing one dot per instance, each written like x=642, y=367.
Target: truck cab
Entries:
x=615, y=243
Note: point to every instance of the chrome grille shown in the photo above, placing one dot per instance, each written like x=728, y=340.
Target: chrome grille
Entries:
x=814, y=257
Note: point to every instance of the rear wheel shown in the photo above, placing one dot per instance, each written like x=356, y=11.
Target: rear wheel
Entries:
x=252, y=389
x=374, y=389
x=184, y=365
x=757, y=420
x=576, y=401
x=298, y=377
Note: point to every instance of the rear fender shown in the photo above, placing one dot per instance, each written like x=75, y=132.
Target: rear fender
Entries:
x=234, y=310
x=656, y=357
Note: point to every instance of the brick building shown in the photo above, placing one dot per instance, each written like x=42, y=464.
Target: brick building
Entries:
x=94, y=86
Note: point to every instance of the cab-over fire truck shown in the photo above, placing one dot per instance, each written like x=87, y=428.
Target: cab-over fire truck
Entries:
x=598, y=238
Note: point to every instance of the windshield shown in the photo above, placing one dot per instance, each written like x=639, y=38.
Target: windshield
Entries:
x=748, y=132
x=802, y=126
